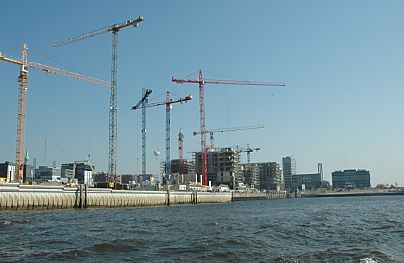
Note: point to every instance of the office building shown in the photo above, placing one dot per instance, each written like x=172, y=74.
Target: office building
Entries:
x=289, y=170
x=351, y=179
x=83, y=171
x=100, y=178
x=7, y=172
x=270, y=176
x=306, y=181
x=128, y=179
x=29, y=170
x=28, y=173
x=47, y=174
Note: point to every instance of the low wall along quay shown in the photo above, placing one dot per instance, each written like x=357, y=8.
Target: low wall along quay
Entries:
x=16, y=197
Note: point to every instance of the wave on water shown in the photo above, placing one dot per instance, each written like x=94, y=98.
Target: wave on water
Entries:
x=368, y=260
x=119, y=245
x=5, y=223
x=293, y=230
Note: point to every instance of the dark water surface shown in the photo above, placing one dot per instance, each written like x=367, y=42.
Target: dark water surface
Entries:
x=342, y=229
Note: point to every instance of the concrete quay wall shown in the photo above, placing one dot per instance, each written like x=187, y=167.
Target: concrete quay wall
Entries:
x=15, y=197
x=243, y=196
x=353, y=193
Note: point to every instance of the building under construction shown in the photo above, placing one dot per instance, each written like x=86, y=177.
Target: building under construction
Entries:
x=271, y=176
x=182, y=171
x=251, y=175
x=223, y=165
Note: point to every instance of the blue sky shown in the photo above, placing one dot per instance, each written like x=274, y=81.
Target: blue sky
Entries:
x=342, y=62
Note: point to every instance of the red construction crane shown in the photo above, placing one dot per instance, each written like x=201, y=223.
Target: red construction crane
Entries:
x=201, y=82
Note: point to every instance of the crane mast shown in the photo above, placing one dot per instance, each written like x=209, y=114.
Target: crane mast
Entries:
x=201, y=82
x=22, y=98
x=21, y=115
x=144, y=130
x=142, y=104
x=181, y=152
x=168, y=143
x=113, y=108
x=180, y=145
x=168, y=103
x=203, y=128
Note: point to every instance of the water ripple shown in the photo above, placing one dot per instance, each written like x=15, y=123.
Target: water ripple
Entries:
x=360, y=229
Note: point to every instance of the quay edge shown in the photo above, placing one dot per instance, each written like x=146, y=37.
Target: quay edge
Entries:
x=29, y=197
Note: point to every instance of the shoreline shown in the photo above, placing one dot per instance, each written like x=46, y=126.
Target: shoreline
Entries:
x=351, y=193
x=36, y=197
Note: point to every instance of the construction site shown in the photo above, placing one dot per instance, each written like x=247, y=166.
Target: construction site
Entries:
x=210, y=169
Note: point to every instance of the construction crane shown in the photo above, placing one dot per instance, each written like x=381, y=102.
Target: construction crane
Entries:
x=143, y=102
x=115, y=28
x=212, y=131
x=248, y=150
x=181, y=152
x=201, y=82
x=168, y=104
x=22, y=98
x=180, y=145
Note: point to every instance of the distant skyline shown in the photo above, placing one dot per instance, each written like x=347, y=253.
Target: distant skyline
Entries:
x=342, y=63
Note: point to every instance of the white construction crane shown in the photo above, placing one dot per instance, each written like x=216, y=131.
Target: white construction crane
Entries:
x=113, y=106
x=212, y=131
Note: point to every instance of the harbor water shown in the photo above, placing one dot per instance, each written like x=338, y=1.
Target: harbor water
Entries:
x=335, y=229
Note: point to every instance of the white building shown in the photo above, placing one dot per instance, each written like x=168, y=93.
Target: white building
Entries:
x=7, y=172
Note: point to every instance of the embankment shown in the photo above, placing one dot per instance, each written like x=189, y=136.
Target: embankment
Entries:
x=14, y=197
x=28, y=197
x=244, y=196
x=353, y=193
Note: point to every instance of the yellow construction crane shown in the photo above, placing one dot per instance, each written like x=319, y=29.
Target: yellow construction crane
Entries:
x=22, y=98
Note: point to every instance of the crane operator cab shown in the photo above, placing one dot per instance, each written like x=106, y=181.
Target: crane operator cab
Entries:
x=24, y=68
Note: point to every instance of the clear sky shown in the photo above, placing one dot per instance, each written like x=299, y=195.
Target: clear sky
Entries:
x=342, y=61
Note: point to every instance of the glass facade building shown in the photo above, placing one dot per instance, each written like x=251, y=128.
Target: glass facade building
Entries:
x=307, y=181
x=289, y=169
x=351, y=179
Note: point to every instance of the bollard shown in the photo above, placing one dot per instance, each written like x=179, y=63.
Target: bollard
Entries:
x=81, y=197
x=168, y=195
x=85, y=196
